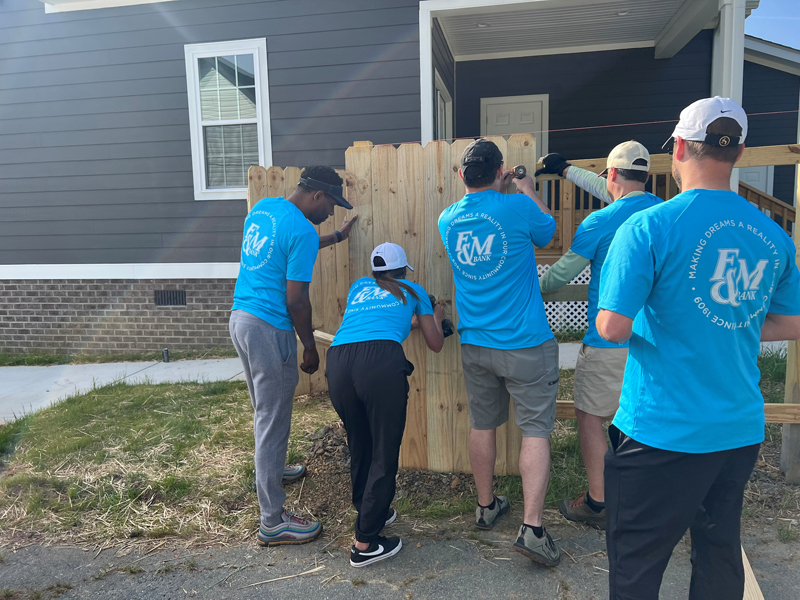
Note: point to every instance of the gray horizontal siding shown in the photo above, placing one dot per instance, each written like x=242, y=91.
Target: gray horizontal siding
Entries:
x=95, y=158
x=584, y=93
x=770, y=90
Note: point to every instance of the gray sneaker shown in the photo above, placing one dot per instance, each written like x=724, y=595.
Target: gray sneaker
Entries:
x=485, y=518
x=292, y=530
x=541, y=550
x=292, y=473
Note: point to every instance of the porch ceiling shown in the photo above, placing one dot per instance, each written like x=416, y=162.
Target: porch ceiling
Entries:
x=551, y=26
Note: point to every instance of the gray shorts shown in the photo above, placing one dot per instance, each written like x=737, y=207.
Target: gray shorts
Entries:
x=530, y=375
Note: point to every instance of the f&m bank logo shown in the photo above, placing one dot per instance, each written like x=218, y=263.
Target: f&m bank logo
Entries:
x=733, y=281
x=253, y=242
x=470, y=249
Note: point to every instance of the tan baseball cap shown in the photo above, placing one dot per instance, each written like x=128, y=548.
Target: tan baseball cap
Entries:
x=628, y=155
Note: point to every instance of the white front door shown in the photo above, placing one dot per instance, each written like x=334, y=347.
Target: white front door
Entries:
x=517, y=114
x=760, y=178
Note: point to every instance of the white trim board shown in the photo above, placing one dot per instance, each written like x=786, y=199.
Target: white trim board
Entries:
x=122, y=271
x=58, y=6
x=551, y=51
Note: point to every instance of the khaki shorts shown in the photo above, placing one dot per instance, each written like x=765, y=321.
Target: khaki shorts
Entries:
x=530, y=375
x=598, y=379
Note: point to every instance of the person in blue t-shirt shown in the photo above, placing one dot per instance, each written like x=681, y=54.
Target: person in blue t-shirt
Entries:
x=270, y=303
x=507, y=348
x=601, y=364
x=367, y=375
x=696, y=284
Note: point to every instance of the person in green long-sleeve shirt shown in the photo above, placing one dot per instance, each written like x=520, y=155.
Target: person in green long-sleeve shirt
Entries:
x=601, y=364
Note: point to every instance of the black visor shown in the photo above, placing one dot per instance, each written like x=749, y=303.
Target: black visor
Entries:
x=335, y=191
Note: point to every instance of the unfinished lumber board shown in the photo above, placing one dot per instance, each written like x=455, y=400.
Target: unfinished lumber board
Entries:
x=567, y=214
x=774, y=413
x=790, y=440
x=520, y=150
x=751, y=589
x=342, y=256
x=256, y=185
x=275, y=185
x=407, y=228
x=359, y=193
x=444, y=378
x=569, y=293
x=384, y=191
x=461, y=426
x=501, y=433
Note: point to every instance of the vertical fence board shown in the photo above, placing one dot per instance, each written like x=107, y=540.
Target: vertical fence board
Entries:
x=521, y=150
x=275, y=183
x=342, y=260
x=501, y=442
x=407, y=228
x=256, y=185
x=461, y=427
x=384, y=191
x=444, y=380
x=358, y=160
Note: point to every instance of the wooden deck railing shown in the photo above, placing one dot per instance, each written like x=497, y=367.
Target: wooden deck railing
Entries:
x=571, y=205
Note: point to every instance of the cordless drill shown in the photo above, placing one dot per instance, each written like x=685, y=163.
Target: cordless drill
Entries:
x=447, y=325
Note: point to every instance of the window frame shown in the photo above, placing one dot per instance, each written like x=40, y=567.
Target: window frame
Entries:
x=192, y=52
x=441, y=93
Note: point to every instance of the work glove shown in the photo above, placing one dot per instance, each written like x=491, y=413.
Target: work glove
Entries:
x=553, y=164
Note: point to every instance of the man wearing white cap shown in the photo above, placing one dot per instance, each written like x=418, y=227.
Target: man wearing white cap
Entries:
x=601, y=364
x=695, y=284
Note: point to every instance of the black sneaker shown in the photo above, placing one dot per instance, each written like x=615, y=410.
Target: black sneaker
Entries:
x=391, y=517
x=378, y=550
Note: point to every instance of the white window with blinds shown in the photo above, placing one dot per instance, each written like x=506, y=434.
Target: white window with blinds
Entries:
x=228, y=114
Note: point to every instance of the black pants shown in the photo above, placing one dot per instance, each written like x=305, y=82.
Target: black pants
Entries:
x=653, y=496
x=368, y=384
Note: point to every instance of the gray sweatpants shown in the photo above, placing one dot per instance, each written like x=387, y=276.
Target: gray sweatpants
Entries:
x=269, y=357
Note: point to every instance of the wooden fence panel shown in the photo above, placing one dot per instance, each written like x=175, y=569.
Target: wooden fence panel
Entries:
x=359, y=194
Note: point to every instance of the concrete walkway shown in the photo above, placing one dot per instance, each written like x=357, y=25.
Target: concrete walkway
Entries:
x=26, y=389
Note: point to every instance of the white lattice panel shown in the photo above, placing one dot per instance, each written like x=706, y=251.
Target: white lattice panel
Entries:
x=565, y=316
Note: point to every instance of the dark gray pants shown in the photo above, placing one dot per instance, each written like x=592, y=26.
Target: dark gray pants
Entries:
x=269, y=358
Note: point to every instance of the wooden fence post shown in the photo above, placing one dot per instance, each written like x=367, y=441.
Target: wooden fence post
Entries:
x=790, y=441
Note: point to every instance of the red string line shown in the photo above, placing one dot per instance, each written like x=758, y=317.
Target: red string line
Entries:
x=774, y=112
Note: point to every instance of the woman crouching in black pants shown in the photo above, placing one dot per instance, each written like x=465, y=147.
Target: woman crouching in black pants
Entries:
x=367, y=375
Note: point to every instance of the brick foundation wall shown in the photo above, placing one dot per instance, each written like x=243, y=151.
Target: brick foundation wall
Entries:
x=78, y=316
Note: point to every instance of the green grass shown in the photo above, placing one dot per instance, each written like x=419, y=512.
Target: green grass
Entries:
x=155, y=461
x=45, y=358
x=787, y=533
x=140, y=458
x=569, y=335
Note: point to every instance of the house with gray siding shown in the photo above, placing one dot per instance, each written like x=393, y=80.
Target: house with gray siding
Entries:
x=127, y=126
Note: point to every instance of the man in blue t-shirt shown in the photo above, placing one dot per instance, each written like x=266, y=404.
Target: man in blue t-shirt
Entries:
x=270, y=304
x=507, y=347
x=696, y=284
x=601, y=364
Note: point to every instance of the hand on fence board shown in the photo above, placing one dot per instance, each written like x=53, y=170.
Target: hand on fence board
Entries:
x=347, y=225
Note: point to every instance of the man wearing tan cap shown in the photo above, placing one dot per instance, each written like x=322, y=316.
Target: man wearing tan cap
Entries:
x=601, y=364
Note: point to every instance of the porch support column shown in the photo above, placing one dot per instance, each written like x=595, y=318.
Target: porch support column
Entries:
x=728, y=63
x=727, y=67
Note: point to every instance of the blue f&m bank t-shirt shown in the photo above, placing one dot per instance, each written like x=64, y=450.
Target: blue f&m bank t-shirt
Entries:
x=374, y=314
x=279, y=244
x=698, y=274
x=489, y=238
x=592, y=241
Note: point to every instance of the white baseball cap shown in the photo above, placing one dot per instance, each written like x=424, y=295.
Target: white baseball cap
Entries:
x=696, y=118
x=628, y=155
x=393, y=255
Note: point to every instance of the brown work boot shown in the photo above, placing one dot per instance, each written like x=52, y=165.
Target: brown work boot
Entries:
x=578, y=510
